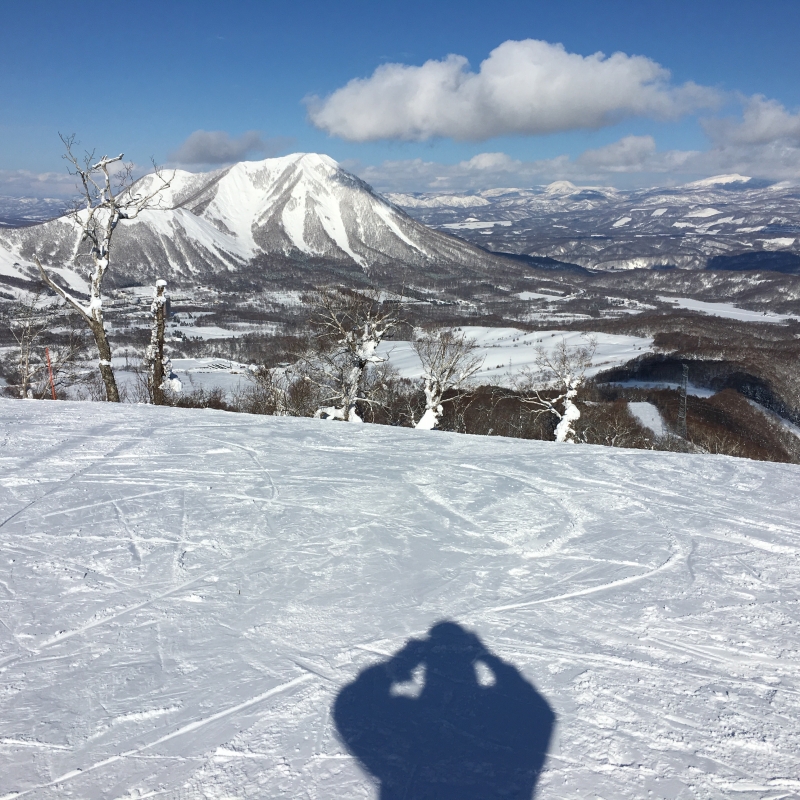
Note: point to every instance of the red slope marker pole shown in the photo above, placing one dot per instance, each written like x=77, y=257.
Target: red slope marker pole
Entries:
x=50, y=370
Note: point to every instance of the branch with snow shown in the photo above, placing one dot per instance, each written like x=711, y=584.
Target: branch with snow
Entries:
x=350, y=326
x=562, y=371
x=449, y=360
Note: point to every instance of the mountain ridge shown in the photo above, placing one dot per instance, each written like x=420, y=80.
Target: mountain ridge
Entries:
x=300, y=208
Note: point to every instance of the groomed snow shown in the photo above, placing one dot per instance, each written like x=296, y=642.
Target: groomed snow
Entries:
x=649, y=416
x=184, y=595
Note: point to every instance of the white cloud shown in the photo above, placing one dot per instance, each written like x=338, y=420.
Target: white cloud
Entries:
x=764, y=142
x=219, y=147
x=625, y=155
x=524, y=87
x=763, y=122
x=632, y=160
x=633, y=154
x=622, y=164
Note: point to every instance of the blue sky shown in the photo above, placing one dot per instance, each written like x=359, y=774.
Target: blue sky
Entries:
x=144, y=77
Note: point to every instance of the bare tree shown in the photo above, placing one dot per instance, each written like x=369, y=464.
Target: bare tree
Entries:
x=449, y=359
x=106, y=198
x=31, y=322
x=350, y=326
x=554, y=386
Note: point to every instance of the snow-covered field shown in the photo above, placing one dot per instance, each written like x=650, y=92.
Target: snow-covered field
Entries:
x=185, y=594
x=509, y=351
x=727, y=310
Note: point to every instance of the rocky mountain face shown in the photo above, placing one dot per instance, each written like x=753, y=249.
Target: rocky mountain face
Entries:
x=726, y=222
x=302, y=210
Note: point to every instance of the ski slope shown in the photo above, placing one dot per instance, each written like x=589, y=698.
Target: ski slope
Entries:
x=188, y=597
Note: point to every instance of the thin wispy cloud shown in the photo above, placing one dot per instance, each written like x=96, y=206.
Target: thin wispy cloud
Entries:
x=528, y=87
x=26, y=183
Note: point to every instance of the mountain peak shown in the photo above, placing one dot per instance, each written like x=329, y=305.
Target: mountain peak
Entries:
x=301, y=207
x=718, y=180
x=560, y=188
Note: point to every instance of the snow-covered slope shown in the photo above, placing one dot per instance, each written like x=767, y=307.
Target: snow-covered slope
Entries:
x=184, y=596
x=300, y=207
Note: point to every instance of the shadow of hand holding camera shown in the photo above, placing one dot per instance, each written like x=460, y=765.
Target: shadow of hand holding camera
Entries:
x=446, y=719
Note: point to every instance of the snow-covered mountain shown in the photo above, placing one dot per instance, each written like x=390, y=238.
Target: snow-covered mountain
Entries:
x=727, y=221
x=187, y=596
x=302, y=208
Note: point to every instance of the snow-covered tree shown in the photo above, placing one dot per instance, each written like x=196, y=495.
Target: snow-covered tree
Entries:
x=350, y=325
x=449, y=359
x=159, y=366
x=553, y=387
x=108, y=196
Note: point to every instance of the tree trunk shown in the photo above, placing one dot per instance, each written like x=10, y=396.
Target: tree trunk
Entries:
x=156, y=350
x=104, y=350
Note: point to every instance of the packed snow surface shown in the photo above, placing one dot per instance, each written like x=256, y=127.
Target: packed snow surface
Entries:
x=193, y=600
x=649, y=416
x=727, y=310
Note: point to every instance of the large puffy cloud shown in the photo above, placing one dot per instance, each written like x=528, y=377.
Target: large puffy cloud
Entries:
x=524, y=87
x=219, y=147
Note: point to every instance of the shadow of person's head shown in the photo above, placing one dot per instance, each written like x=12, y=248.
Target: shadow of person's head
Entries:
x=444, y=718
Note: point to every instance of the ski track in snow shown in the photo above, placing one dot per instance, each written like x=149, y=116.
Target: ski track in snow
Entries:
x=183, y=593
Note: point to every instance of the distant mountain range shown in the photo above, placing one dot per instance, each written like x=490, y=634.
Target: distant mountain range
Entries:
x=300, y=212
x=302, y=218
x=20, y=211
x=724, y=222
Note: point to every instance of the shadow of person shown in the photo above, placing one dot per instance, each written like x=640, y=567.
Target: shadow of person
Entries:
x=444, y=719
